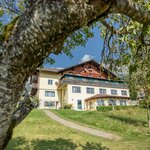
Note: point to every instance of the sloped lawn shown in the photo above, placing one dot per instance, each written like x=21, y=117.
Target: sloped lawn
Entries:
x=130, y=124
x=39, y=132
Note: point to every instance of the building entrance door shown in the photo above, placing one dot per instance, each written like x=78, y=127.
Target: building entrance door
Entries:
x=79, y=104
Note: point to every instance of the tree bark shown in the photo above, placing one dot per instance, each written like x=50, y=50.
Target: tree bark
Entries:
x=39, y=32
x=132, y=10
x=148, y=115
x=24, y=108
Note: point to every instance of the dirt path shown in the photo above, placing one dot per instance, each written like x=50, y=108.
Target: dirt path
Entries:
x=81, y=128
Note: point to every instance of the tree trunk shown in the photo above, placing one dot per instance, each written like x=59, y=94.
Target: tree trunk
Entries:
x=42, y=30
x=39, y=32
x=148, y=116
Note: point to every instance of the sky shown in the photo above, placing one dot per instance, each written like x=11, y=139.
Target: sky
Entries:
x=92, y=50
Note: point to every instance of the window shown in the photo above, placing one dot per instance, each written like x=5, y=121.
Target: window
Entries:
x=102, y=91
x=112, y=102
x=113, y=92
x=100, y=102
x=49, y=104
x=50, y=82
x=90, y=90
x=123, y=102
x=123, y=92
x=76, y=89
x=49, y=93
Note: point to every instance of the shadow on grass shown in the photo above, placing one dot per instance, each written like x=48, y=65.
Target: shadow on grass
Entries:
x=131, y=121
x=57, y=144
x=18, y=143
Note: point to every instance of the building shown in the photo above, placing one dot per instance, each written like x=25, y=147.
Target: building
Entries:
x=84, y=86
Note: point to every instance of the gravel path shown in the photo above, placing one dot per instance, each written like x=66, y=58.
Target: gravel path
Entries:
x=81, y=128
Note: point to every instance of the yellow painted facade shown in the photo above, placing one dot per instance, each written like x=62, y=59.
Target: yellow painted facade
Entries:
x=64, y=94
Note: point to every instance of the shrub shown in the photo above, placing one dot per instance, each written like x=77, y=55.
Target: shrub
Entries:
x=68, y=106
x=123, y=107
x=108, y=108
x=104, y=108
x=144, y=103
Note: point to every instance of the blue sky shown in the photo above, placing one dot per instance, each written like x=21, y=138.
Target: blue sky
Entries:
x=91, y=50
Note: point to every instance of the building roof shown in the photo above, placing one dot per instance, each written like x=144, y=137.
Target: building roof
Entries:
x=92, y=61
x=106, y=96
x=56, y=70
x=60, y=70
x=89, y=61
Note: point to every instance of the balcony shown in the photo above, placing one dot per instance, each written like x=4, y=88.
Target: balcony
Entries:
x=78, y=80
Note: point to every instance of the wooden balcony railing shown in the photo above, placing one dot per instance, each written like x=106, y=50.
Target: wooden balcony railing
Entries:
x=92, y=83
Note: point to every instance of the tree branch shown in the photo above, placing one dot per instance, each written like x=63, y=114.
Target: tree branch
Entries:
x=131, y=9
x=111, y=28
x=8, y=6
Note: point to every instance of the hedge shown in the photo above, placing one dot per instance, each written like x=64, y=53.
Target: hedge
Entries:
x=104, y=108
x=68, y=106
x=108, y=108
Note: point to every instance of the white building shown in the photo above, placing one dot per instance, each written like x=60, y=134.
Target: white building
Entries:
x=84, y=86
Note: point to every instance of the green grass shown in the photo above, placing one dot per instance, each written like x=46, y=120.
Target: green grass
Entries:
x=39, y=132
x=130, y=124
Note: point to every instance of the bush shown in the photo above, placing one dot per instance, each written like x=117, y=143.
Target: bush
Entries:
x=108, y=108
x=144, y=103
x=104, y=108
x=123, y=107
x=68, y=106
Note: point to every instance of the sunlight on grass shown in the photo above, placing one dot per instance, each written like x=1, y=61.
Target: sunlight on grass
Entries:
x=38, y=132
x=130, y=123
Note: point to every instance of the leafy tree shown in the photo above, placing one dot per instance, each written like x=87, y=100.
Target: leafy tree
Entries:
x=45, y=27
x=141, y=78
x=127, y=44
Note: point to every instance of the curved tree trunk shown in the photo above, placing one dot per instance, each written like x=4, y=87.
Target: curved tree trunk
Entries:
x=148, y=116
x=39, y=32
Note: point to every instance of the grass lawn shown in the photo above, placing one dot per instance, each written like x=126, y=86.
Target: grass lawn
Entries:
x=38, y=132
x=130, y=124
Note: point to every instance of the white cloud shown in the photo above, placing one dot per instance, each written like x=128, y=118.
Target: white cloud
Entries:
x=59, y=68
x=56, y=68
x=85, y=58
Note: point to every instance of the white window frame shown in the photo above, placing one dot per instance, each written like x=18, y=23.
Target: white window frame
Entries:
x=49, y=104
x=90, y=90
x=100, y=102
x=49, y=93
x=76, y=89
x=101, y=91
x=50, y=82
x=123, y=103
x=124, y=92
x=114, y=92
